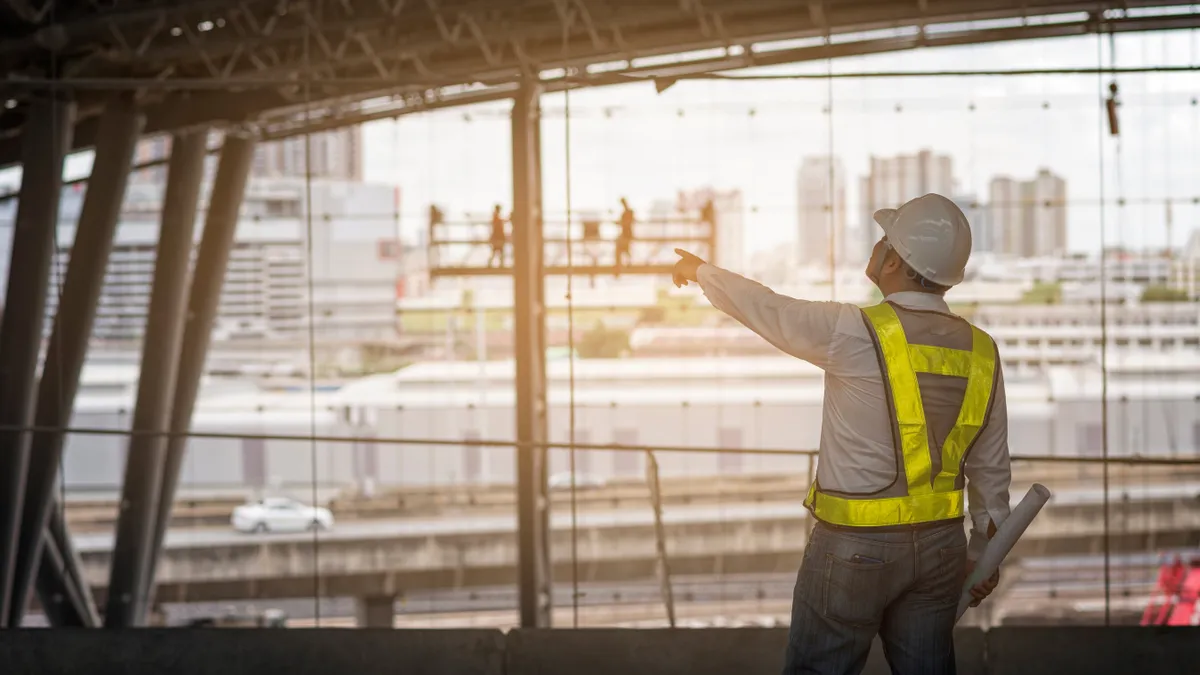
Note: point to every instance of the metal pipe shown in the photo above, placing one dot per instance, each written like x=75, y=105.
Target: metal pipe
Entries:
x=220, y=226
x=160, y=351
x=47, y=138
x=65, y=596
x=67, y=348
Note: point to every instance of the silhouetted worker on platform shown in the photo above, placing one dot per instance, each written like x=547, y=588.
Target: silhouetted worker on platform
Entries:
x=625, y=238
x=708, y=213
x=498, y=238
x=914, y=420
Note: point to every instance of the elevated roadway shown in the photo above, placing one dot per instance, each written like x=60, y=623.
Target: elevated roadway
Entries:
x=391, y=557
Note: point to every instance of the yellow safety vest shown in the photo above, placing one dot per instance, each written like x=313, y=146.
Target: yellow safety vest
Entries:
x=928, y=498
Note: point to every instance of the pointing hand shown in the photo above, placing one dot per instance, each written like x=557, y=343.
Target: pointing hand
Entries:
x=686, y=268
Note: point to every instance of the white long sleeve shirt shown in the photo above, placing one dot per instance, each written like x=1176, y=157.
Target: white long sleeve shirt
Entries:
x=857, y=453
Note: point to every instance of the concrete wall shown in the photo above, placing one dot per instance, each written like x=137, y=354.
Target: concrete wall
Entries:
x=743, y=651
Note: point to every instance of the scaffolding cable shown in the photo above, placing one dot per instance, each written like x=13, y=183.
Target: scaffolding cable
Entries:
x=312, y=349
x=570, y=298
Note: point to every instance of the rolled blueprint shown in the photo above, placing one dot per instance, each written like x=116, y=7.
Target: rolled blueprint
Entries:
x=1005, y=538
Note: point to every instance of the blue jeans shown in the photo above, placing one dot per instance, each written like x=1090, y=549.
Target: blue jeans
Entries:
x=903, y=586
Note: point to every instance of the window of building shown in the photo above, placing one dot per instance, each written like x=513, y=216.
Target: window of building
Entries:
x=254, y=461
x=472, y=458
x=1089, y=439
x=626, y=463
x=729, y=439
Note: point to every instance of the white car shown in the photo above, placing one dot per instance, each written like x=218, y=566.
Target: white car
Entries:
x=277, y=514
x=561, y=482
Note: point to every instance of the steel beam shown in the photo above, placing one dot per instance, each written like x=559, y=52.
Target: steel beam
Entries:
x=65, y=596
x=152, y=414
x=68, y=344
x=47, y=136
x=647, y=32
x=529, y=333
x=220, y=225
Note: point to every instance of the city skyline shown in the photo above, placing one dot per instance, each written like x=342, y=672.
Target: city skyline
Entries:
x=1023, y=218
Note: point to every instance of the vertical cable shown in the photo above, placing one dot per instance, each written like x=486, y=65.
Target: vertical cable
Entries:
x=571, y=367
x=832, y=192
x=1104, y=332
x=312, y=350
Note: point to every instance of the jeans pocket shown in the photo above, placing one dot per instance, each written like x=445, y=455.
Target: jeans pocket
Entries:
x=953, y=561
x=856, y=593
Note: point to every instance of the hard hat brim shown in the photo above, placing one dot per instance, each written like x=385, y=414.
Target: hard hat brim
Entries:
x=885, y=218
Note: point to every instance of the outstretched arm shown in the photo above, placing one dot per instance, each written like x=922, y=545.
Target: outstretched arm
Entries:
x=801, y=328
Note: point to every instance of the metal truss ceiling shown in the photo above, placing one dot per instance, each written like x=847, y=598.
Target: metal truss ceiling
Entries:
x=269, y=61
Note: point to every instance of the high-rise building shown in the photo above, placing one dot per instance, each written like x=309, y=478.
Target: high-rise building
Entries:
x=1029, y=218
x=821, y=196
x=333, y=154
x=982, y=239
x=730, y=214
x=895, y=180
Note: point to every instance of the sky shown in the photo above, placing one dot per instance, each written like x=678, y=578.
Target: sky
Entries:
x=631, y=141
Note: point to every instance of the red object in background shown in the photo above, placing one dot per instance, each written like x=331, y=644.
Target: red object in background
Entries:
x=1175, y=596
x=399, y=287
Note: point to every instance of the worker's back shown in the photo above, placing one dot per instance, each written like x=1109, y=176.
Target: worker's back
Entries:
x=858, y=449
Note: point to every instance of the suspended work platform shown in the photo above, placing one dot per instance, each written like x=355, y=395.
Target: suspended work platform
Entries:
x=595, y=246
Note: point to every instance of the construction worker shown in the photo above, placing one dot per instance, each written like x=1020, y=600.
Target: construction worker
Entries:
x=914, y=416
x=625, y=238
x=498, y=238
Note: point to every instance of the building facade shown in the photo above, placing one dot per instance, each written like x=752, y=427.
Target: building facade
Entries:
x=351, y=271
x=821, y=222
x=1029, y=217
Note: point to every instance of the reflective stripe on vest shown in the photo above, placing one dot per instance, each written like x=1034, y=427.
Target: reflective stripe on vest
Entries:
x=927, y=499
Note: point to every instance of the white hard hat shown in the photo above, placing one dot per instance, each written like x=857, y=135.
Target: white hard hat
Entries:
x=932, y=235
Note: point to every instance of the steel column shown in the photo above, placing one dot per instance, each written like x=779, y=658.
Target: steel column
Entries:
x=220, y=226
x=62, y=591
x=120, y=127
x=529, y=332
x=152, y=414
x=47, y=135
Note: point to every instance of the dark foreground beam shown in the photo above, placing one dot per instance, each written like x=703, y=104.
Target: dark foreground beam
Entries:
x=68, y=343
x=220, y=226
x=46, y=139
x=131, y=566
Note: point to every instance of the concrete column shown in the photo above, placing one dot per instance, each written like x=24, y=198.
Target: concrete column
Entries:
x=533, y=574
x=46, y=137
x=120, y=126
x=220, y=226
x=376, y=611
